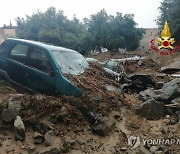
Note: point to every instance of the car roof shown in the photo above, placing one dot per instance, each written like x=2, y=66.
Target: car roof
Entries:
x=42, y=44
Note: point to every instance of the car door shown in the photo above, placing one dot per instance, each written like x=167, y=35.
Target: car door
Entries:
x=16, y=63
x=40, y=75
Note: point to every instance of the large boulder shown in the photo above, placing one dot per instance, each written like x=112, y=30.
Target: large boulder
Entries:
x=151, y=109
x=171, y=90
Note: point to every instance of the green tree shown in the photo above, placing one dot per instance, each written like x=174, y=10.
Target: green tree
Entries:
x=170, y=11
x=100, y=30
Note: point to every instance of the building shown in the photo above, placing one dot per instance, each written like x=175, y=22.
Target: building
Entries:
x=150, y=33
x=7, y=31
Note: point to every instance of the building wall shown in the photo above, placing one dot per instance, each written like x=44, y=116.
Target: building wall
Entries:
x=6, y=32
x=151, y=33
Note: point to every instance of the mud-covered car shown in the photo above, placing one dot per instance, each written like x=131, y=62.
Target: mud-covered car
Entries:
x=40, y=67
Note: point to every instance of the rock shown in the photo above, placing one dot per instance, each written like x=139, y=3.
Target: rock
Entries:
x=10, y=149
x=114, y=88
x=178, y=116
x=23, y=147
x=1, y=107
x=48, y=138
x=66, y=147
x=171, y=68
x=151, y=109
x=176, y=101
x=16, y=97
x=75, y=146
x=38, y=138
x=16, y=105
x=43, y=127
x=171, y=90
x=64, y=111
x=164, y=149
x=39, y=97
x=123, y=148
x=159, y=85
x=117, y=115
x=165, y=130
x=141, y=81
x=135, y=126
x=9, y=115
x=143, y=150
x=159, y=152
x=153, y=149
x=19, y=129
x=31, y=149
x=146, y=94
x=149, y=93
x=51, y=151
x=81, y=141
x=101, y=128
x=140, y=62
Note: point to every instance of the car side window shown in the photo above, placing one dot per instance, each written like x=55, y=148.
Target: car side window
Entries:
x=39, y=60
x=3, y=47
x=19, y=53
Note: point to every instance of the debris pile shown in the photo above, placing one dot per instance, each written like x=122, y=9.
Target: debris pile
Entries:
x=103, y=120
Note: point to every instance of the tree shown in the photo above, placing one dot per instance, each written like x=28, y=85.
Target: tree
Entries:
x=100, y=30
x=170, y=11
x=114, y=32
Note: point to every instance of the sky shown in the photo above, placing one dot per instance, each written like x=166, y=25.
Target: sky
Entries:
x=145, y=11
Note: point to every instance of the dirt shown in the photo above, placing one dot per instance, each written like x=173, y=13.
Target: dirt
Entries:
x=72, y=131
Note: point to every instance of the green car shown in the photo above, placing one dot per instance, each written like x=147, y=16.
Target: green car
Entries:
x=40, y=67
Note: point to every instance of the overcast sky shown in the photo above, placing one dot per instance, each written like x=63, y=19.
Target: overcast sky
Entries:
x=145, y=11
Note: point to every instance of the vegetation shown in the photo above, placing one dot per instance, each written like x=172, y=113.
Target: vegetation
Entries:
x=100, y=30
x=170, y=11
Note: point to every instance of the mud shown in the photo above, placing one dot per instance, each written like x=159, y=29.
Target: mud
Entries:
x=72, y=130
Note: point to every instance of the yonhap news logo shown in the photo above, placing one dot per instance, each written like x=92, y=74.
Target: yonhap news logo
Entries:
x=135, y=141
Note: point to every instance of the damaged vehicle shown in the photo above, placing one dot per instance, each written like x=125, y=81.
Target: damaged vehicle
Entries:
x=40, y=67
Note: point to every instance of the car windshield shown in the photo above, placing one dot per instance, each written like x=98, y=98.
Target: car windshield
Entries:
x=70, y=62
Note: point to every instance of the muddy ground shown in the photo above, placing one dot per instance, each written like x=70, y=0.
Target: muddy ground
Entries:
x=72, y=131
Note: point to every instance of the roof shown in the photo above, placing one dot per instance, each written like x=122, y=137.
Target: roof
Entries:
x=42, y=44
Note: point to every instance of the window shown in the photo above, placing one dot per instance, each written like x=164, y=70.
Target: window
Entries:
x=19, y=53
x=4, y=47
x=39, y=60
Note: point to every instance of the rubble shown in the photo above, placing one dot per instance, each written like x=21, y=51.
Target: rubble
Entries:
x=65, y=124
